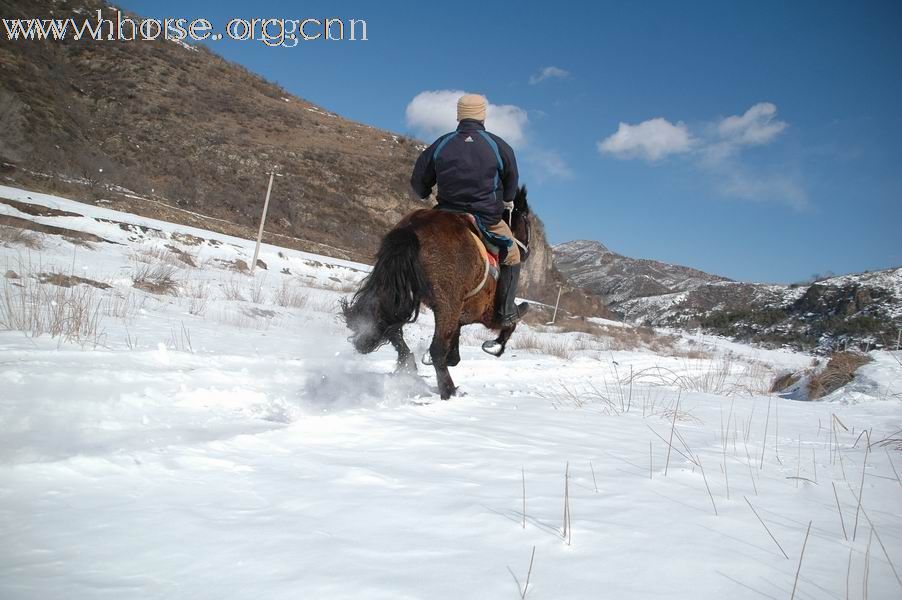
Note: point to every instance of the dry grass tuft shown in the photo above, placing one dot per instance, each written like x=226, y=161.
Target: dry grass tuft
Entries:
x=156, y=279
x=290, y=296
x=232, y=290
x=198, y=294
x=155, y=255
x=839, y=371
x=70, y=313
x=563, y=347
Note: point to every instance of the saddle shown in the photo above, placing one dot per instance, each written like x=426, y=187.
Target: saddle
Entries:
x=487, y=250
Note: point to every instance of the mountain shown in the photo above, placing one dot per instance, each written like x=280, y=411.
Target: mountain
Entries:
x=862, y=309
x=174, y=131
x=616, y=278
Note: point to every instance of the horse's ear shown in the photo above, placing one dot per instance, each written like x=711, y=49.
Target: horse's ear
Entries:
x=520, y=200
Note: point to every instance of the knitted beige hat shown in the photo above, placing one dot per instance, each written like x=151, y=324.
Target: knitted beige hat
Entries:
x=471, y=106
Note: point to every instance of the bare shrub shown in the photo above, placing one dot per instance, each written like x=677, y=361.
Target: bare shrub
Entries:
x=232, y=290
x=256, y=291
x=839, y=371
x=289, y=296
x=198, y=295
x=16, y=236
x=156, y=279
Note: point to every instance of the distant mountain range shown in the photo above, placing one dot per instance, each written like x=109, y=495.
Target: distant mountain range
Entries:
x=616, y=278
x=862, y=309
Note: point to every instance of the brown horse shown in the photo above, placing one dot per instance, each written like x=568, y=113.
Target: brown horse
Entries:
x=430, y=258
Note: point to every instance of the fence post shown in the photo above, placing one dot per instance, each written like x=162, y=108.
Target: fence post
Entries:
x=272, y=174
x=556, y=304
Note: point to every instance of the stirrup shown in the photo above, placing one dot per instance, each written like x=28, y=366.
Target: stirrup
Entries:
x=521, y=310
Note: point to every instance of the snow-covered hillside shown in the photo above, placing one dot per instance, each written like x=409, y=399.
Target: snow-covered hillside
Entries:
x=617, y=278
x=211, y=434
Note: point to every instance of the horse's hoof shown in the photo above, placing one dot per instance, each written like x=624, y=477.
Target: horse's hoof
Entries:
x=493, y=347
x=408, y=367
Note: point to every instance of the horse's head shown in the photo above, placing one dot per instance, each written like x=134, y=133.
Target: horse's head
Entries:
x=520, y=222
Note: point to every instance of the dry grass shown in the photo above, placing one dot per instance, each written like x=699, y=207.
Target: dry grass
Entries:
x=290, y=296
x=154, y=255
x=232, y=290
x=155, y=278
x=124, y=306
x=839, y=371
x=70, y=313
x=198, y=295
x=784, y=381
x=561, y=347
x=724, y=375
x=256, y=293
x=16, y=236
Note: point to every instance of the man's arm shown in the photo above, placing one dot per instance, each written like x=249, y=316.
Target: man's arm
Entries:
x=423, y=177
x=510, y=177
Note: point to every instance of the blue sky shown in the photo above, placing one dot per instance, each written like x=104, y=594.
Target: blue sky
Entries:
x=756, y=140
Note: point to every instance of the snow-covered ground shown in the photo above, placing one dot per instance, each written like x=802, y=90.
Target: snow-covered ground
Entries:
x=226, y=442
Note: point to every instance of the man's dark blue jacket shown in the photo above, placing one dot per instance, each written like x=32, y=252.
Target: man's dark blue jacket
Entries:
x=475, y=170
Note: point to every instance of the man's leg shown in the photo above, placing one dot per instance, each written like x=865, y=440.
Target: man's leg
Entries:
x=508, y=280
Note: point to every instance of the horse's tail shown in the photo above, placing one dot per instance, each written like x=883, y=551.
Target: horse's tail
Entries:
x=391, y=294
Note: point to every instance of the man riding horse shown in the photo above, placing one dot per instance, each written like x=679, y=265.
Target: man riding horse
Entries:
x=476, y=173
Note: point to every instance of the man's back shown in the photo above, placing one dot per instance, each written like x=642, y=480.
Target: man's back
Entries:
x=469, y=167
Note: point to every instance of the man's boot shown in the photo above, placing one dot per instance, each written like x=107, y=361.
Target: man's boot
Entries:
x=508, y=311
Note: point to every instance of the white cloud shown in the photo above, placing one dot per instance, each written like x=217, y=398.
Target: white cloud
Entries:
x=652, y=140
x=716, y=147
x=757, y=126
x=548, y=73
x=433, y=113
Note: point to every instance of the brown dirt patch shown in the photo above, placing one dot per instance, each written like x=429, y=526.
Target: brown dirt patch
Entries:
x=68, y=281
x=11, y=221
x=784, y=381
x=36, y=210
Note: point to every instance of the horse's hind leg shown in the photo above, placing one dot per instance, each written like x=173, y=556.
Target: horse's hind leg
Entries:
x=454, y=352
x=446, y=326
x=406, y=361
x=497, y=346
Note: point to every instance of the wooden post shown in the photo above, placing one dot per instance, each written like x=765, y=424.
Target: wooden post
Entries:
x=898, y=339
x=556, y=304
x=272, y=174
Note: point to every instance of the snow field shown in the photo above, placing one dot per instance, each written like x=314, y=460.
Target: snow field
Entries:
x=226, y=442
